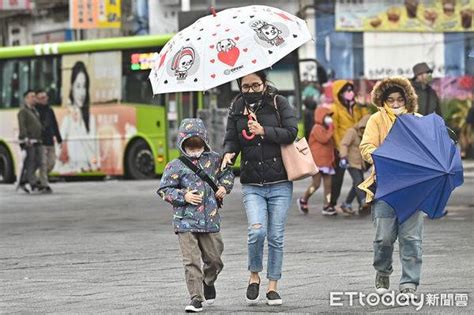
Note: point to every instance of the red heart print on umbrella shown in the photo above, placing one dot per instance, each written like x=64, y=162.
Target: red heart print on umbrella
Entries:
x=228, y=52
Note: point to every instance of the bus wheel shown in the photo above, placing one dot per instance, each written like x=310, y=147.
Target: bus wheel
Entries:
x=140, y=163
x=6, y=166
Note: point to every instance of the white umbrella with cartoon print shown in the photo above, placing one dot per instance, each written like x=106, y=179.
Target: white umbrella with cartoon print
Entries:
x=224, y=46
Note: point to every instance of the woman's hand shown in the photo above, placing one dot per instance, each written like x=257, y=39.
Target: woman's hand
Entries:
x=227, y=159
x=256, y=128
x=193, y=197
x=220, y=193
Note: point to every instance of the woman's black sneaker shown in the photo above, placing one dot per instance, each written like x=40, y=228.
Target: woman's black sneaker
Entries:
x=273, y=298
x=209, y=293
x=253, y=293
x=194, y=307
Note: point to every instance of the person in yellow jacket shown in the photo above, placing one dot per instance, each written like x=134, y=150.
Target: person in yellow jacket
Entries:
x=393, y=96
x=346, y=113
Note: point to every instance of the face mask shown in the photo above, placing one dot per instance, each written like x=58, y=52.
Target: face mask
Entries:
x=252, y=97
x=349, y=95
x=327, y=120
x=194, y=153
x=398, y=111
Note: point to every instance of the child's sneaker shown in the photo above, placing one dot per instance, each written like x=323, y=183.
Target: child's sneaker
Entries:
x=209, y=293
x=347, y=208
x=194, y=307
x=382, y=284
x=302, y=205
x=273, y=298
x=329, y=210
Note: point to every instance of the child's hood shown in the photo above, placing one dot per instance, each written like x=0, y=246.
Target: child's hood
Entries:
x=320, y=113
x=191, y=127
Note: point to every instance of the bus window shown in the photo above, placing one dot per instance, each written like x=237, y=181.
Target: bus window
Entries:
x=136, y=88
x=44, y=74
x=24, y=74
x=9, y=96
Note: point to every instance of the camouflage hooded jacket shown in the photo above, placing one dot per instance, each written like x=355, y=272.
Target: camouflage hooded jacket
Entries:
x=178, y=179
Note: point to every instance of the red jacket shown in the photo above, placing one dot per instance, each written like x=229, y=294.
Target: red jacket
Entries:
x=320, y=139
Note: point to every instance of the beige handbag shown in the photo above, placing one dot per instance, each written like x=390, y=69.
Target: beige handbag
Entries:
x=297, y=157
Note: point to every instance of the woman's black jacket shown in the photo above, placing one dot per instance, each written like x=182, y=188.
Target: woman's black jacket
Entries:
x=261, y=161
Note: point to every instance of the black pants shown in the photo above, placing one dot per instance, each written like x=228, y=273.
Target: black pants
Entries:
x=337, y=180
x=31, y=164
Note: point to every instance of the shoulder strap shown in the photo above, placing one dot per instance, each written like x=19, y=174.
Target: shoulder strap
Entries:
x=276, y=108
x=199, y=172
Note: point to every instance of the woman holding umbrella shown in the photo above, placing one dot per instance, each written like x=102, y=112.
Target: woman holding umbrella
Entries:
x=393, y=96
x=259, y=122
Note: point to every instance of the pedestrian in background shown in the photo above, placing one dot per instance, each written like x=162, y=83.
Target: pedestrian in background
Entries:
x=196, y=218
x=30, y=136
x=346, y=113
x=310, y=96
x=351, y=159
x=51, y=135
x=266, y=190
x=394, y=97
x=321, y=144
x=428, y=100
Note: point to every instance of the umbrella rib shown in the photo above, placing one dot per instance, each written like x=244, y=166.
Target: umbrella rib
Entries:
x=411, y=185
x=406, y=162
x=420, y=143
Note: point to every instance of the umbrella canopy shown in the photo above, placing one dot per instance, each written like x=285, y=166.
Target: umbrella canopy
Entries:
x=417, y=166
x=219, y=48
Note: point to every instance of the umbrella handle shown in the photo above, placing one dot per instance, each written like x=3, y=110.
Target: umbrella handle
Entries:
x=247, y=136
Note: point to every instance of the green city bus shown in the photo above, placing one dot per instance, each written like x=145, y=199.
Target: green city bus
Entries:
x=111, y=123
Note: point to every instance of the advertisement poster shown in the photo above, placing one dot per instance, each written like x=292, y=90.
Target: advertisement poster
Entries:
x=102, y=70
x=89, y=14
x=405, y=15
x=94, y=136
x=100, y=147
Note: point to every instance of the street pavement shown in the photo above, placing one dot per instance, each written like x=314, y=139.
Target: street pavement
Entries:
x=108, y=247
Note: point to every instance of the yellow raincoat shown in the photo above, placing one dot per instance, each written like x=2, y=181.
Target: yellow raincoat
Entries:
x=342, y=119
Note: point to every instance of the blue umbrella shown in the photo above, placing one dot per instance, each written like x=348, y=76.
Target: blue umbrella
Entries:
x=417, y=166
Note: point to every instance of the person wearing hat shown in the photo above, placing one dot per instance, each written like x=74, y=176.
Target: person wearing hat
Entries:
x=428, y=100
x=393, y=97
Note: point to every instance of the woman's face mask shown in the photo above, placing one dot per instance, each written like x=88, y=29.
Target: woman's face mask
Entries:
x=195, y=153
x=348, y=95
x=328, y=120
x=252, y=97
